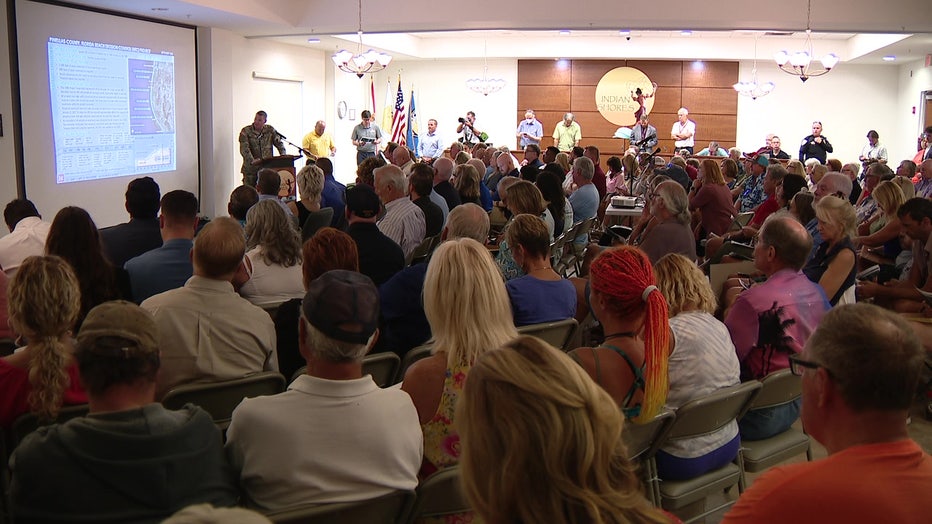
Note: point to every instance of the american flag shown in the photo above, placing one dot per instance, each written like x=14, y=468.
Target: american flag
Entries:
x=399, y=119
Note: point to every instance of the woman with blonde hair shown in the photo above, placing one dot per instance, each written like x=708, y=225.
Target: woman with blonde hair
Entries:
x=884, y=227
x=466, y=182
x=703, y=361
x=834, y=264
x=310, y=181
x=542, y=443
x=631, y=362
x=795, y=167
x=44, y=302
x=469, y=313
x=273, y=256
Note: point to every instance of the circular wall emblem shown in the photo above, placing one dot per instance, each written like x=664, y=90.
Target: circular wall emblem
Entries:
x=613, y=95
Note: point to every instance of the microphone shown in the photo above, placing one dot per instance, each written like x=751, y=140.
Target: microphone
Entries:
x=283, y=137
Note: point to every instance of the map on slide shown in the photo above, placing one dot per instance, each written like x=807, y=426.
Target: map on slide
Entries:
x=113, y=110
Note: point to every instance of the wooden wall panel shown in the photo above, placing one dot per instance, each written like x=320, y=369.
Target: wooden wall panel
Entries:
x=589, y=72
x=607, y=147
x=715, y=127
x=544, y=98
x=551, y=90
x=710, y=74
x=542, y=72
x=711, y=100
x=582, y=97
x=664, y=73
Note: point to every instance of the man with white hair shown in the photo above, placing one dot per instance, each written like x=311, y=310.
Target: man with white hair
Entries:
x=530, y=131
x=567, y=133
x=684, y=131
x=334, y=436
x=403, y=221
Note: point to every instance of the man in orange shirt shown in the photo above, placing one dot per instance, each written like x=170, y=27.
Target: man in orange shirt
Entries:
x=858, y=385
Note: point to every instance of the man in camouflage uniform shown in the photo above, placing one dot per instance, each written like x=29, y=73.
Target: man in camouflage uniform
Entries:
x=255, y=144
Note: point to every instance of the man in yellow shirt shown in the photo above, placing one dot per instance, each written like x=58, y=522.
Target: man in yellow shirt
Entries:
x=319, y=143
x=567, y=134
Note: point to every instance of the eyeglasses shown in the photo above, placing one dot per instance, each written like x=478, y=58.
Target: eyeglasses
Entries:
x=797, y=364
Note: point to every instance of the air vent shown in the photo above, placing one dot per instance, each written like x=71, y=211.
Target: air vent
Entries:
x=778, y=33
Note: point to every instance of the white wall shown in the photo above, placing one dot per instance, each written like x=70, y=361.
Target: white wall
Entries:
x=914, y=78
x=849, y=101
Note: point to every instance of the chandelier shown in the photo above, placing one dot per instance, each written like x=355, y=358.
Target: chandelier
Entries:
x=751, y=87
x=485, y=85
x=360, y=63
x=800, y=63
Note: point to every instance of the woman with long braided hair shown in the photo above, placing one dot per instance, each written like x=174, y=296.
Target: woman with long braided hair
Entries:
x=631, y=362
x=44, y=301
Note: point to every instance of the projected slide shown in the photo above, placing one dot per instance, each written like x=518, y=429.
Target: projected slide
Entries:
x=113, y=110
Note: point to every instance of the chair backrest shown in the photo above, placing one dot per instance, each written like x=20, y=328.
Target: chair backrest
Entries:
x=29, y=422
x=558, y=334
x=438, y=495
x=316, y=221
x=423, y=250
x=387, y=509
x=383, y=367
x=778, y=388
x=643, y=440
x=706, y=414
x=221, y=398
x=742, y=220
x=413, y=356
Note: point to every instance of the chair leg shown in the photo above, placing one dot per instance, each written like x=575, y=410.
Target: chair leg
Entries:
x=741, y=480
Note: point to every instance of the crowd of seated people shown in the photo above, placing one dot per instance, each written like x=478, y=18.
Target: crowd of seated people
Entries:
x=262, y=291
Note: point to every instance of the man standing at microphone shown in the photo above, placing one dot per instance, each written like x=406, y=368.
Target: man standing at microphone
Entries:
x=255, y=144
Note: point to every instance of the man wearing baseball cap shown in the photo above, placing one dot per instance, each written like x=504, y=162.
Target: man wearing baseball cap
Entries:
x=130, y=459
x=334, y=436
x=753, y=193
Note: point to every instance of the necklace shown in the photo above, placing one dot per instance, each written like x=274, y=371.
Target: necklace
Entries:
x=531, y=270
x=626, y=334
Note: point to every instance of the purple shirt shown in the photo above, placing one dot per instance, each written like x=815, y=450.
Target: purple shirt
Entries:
x=772, y=320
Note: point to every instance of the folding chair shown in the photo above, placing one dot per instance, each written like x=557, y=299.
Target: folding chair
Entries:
x=438, y=495
x=777, y=389
x=558, y=334
x=642, y=442
x=221, y=398
x=387, y=509
x=702, y=416
x=383, y=367
x=423, y=250
x=411, y=357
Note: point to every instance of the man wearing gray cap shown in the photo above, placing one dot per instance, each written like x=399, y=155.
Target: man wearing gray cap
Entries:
x=130, y=460
x=334, y=436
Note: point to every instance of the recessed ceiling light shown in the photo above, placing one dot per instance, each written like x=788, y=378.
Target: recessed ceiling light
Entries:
x=313, y=40
x=624, y=32
x=889, y=58
x=564, y=32
x=160, y=9
x=686, y=32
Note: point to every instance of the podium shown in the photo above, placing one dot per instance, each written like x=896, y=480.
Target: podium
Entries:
x=284, y=166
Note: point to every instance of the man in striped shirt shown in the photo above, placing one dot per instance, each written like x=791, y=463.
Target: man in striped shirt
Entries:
x=403, y=221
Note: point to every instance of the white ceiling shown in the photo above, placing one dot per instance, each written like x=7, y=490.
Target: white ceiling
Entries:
x=859, y=31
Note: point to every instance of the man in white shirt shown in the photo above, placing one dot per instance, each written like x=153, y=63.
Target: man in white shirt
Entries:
x=334, y=436
x=684, y=131
x=27, y=235
x=403, y=221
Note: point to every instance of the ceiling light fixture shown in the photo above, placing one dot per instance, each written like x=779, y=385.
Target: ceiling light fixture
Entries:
x=485, y=85
x=752, y=87
x=889, y=58
x=360, y=63
x=799, y=63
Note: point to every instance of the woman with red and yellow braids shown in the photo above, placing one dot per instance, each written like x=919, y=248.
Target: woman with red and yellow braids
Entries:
x=631, y=362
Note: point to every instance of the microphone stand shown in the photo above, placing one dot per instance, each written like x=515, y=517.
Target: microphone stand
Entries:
x=641, y=168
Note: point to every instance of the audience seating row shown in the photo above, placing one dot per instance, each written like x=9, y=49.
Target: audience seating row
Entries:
x=707, y=414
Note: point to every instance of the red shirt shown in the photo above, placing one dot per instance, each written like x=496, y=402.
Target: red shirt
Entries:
x=15, y=389
x=767, y=208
